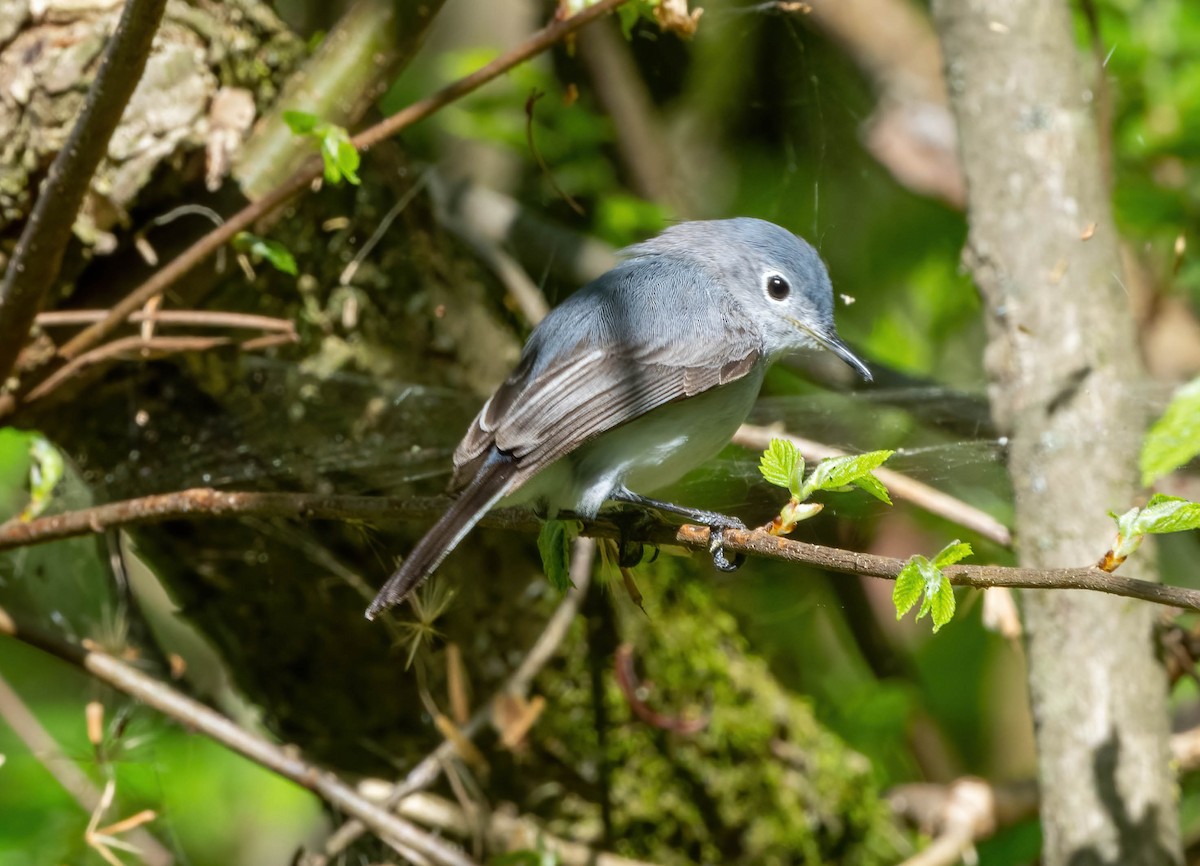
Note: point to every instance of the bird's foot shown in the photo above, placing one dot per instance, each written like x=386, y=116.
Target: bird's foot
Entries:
x=631, y=525
x=716, y=542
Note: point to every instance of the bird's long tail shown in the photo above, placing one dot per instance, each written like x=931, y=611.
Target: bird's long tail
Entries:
x=490, y=484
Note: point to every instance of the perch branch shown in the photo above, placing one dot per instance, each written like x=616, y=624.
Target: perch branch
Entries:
x=36, y=261
x=197, y=717
x=207, y=503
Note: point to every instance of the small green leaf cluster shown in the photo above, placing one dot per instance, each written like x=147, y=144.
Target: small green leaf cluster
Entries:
x=920, y=577
x=1162, y=514
x=554, y=545
x=783, y=465
x=1174, y=439
x=260, y=249
x=339, y=155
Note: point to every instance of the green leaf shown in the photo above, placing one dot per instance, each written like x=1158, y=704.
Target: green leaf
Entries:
x=554, y=544
x=942, y=603
x=874, y=486
x=340, y=157
x=1174, y=439
x=46, y=469
x=909, y=586
x=272, y=252
x=782, y=465
x=1164, y=514
x=301, y=122
x=839, y=471
x=952, y=553
x=630, y=13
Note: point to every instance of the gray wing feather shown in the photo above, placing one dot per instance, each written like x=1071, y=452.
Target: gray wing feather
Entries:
x=582, y=374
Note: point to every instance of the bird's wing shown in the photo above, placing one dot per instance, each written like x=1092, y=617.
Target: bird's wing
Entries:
x=551, y=405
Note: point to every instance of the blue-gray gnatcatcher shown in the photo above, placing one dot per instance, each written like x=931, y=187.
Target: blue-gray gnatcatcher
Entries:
x=637, y=378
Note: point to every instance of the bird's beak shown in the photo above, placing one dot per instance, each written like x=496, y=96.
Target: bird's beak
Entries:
x=834, y=343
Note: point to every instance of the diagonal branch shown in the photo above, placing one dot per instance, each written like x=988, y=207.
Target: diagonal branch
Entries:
x=198, y=717
x=36, y=261
x=206, y=503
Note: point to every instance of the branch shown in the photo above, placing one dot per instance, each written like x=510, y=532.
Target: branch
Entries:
x=205, y=503
x=36, y=261
x=197, y=717
x=305, y=176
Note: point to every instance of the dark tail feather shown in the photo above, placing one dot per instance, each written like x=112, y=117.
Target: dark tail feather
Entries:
x=488, y=486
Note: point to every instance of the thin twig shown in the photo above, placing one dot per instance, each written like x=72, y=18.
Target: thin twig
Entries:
x=901, y=486
x=197, y=717
x=36, y=261
x=426, y=772
x=309, y=172
x=205, y=503
x=187, y=318
x=72, y=779
x=154, y=347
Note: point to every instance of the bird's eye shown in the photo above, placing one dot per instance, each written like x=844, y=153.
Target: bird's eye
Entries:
x=778, y=288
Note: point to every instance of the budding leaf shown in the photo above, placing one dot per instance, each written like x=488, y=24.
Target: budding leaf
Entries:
x=953, y=552
x=839, y=471
x=1174, y=439
x=341, y=158
x=1166, y=514
x=554, y=545
x=874, y=486
x=272, y=252
x=782, y=465
x=909, y=586
x=300, y=122
x=942, y=605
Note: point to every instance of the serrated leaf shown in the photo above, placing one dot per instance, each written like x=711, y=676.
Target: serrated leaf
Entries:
x=272, y=252
x=301, y=122
x=1164, y=514
x=909, y=586
x=874, y=486
x=554, y=545
x=839, y=471
x=1174, y=439
x=952, y=553
x=782, y=465
x=942, y=603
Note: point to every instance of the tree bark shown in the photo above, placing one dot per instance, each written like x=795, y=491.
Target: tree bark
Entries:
x=1063, y=363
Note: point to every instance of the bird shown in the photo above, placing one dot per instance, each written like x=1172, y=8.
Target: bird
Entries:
x=635, y=379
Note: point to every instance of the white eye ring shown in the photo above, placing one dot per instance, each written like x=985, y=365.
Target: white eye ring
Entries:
x=778, y=288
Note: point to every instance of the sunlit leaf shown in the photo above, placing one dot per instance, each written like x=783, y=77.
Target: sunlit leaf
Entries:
x=1164, y=514
x=46, y=469
x=953, y=552
x=874, y=486
x=838, y=472
x=301, y=122
x=909, y=586
x=1174, y=439
x=942, y=603
x=782, y=465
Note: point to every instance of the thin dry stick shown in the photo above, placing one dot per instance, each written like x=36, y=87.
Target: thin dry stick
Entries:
x=901, y=486
x=197, y=717
x=313, y=169
x=186, y=318
x=36, y=261
x=203, y=503
x=425, y=773
x=67, y=773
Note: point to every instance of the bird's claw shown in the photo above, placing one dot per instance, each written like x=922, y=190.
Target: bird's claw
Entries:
x=716, y=546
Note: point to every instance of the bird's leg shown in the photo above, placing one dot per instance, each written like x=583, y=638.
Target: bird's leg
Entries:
x=717, y=524
x=629, y=526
